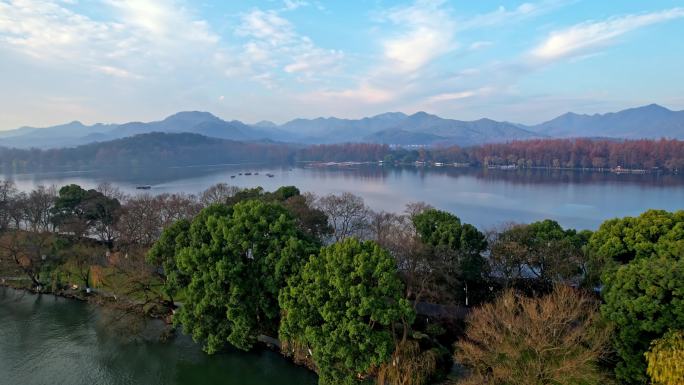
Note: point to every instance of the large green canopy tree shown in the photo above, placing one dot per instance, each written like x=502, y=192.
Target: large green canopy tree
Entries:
x=641, y=264
x=235, y=263
x=644, y=299
x=457, y=249
x=344, y=306
x=621, y=240
x=79, y=211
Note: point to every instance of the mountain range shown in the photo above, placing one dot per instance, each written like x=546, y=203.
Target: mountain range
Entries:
x=652, y=121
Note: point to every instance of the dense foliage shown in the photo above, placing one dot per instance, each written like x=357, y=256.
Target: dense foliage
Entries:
x=640, y=262
x=644, y=299
x=344, y=306
x=236, y=265
x=465, y=270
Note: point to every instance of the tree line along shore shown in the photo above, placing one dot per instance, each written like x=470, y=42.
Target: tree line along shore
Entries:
x=159, y=149
x=362, y=296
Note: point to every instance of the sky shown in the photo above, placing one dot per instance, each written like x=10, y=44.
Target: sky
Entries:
x=115, y=61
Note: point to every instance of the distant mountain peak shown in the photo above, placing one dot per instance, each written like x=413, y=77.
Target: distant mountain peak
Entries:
x=265, y=124
x=655, y=105
x=389, y=115
x=197, y=116
x=649, y=121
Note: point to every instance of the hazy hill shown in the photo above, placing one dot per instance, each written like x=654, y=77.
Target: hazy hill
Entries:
x=652, y=121
x=151, y=149
x=421, y=128
x=75, y=133
x=389, y=128
x=398, y=128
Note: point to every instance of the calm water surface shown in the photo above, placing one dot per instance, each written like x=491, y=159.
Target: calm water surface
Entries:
x=45, y=340
x=485, y=198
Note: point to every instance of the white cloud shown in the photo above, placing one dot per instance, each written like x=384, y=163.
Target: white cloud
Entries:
x=451, y=96
x=428, y=34
x=273, y=42
x=142, y=36
x=290, y=5
x=584, y=38
x=117, y=72
x=365, y=93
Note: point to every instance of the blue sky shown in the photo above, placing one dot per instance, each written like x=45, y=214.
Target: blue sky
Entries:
x=118, y=60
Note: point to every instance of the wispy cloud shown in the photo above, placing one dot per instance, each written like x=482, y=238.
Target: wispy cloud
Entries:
x=503, y=15
x=273, y=43
x=290, y=5
x=451, y=96
x=585, y=38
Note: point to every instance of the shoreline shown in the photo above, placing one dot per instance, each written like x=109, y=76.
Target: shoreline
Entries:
x=263, y=341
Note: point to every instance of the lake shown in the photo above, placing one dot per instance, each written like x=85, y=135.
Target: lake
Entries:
x=47, y=340
x=483, y=197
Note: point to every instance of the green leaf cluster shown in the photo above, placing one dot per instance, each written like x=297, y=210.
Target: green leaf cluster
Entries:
x=644, y=299
x=344, y=306
x=458, y=246
x=235, y=261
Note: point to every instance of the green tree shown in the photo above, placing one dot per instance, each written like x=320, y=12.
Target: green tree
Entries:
x=236, y=264
x=79, y=211
x=621, y=240
x=163, y=254
x=543, y=250
x=344, y=306
x=644, y=299
x=459, y=247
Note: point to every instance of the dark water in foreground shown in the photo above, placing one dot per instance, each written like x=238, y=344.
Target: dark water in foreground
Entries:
x=483, y=197
x=45, y=340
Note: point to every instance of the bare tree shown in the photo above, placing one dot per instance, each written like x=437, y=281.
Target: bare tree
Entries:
x=218, y=193
x=145, y=216
x=420, y=270
x=347, y=214
x=16, y=210
x=110, y=191
x=414, y=208
x=37, y=209
x=140, y=222
x=8, y=192
x=177, y=206
x=556, y=339
x=26, y=251
x=506, y=254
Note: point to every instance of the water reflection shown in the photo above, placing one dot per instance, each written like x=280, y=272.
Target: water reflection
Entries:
x=49, y=340
x=483, y=197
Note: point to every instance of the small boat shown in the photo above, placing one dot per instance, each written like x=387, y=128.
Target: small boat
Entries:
x=256, y=173
x=232, y=176
x=145, y=187
x=240, y=174
x=248, y=173
x=270, y=175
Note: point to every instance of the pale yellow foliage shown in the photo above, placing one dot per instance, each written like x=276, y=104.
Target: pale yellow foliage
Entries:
x=666, y=359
